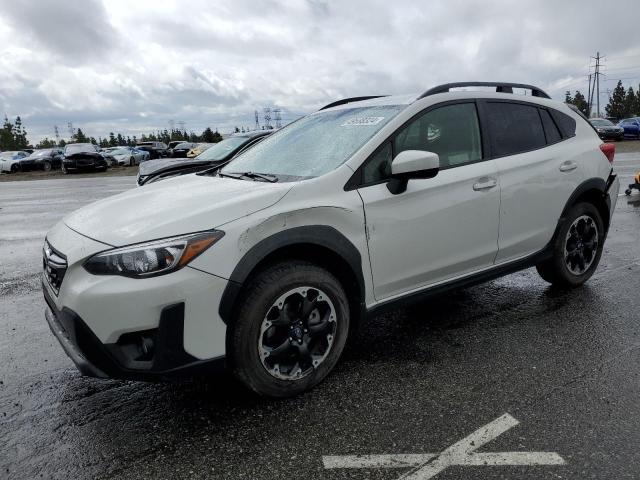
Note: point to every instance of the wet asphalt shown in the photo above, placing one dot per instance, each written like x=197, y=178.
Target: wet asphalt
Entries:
x=566, y=365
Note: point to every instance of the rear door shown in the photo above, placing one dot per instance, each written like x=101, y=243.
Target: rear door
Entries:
x=537, y=171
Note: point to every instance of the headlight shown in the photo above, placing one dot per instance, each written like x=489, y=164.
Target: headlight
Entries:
x=152, y=258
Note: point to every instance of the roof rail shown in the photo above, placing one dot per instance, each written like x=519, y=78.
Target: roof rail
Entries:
x=501, y=87
x=349, y=100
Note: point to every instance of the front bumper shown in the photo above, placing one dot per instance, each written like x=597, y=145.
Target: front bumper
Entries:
x=164, y=357
x=176, y=312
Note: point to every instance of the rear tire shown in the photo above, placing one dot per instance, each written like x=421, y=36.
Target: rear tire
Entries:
x=577, y=248
x=289, y=330
x=46, y=166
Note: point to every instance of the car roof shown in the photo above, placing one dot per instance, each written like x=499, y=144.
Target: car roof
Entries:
x=452, y=91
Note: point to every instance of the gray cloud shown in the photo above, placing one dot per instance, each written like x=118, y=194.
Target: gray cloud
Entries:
x=74, y=31
x=133, y=67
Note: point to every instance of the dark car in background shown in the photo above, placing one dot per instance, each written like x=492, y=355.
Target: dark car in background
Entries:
x=217, y=155
x=82, y=156
x=155, y=149
x=180, y=150
x=172, y=145
x=45, y=159
x=606, y=129
x=631, y=127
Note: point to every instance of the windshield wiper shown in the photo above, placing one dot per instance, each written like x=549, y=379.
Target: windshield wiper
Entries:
x=230, y=175
x=267, y=177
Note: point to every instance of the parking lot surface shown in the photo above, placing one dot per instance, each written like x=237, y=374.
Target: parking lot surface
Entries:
x=548, y=380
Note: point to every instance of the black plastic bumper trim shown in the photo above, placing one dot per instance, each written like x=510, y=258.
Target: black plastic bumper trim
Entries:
x=108, y=360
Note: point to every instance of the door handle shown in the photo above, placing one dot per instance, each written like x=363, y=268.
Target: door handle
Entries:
x=568, y=166
x=485, y=183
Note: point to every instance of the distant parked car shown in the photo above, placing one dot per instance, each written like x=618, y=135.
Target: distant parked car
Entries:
x=198, y=149
x=172, y=145
x=126, y=156
x=44, y=159
x=631, y=127
x=10, y=161
x=155, y=149
x=606, y=129
x=82, y=156
x=180, y=150
x=218, y=154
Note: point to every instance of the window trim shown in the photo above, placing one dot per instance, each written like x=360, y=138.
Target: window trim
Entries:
x=483, y=113
x=553, y=120
x=356, y=180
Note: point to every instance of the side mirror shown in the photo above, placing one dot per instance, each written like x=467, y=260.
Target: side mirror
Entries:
x=412, y=164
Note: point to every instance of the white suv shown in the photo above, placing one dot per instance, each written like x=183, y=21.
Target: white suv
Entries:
x=265, y=265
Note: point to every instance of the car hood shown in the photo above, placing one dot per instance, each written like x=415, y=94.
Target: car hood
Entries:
x=175, y=206
x=147, y=168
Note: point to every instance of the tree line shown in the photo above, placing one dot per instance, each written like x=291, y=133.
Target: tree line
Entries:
x=622, y=103
x=119, y=140
x=13, y=136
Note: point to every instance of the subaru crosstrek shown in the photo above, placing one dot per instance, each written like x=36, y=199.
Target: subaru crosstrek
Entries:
x=266, y=265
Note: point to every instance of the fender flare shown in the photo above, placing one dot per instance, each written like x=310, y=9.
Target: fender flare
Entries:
x=595, y=183
x=321, y=235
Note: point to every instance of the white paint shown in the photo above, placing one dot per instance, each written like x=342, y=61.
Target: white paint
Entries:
x=461, y=453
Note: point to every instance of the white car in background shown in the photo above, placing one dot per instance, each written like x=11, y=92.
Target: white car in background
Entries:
x=267, y=264
x=10, y=161
x=125, y=156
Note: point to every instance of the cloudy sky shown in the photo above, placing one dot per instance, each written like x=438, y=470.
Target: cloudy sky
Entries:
x=134, y=65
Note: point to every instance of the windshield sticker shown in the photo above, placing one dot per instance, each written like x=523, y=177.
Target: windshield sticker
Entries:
x=362, y=121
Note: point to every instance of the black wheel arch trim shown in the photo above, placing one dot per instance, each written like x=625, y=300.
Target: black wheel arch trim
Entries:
x=321, y=235
x=595, y=183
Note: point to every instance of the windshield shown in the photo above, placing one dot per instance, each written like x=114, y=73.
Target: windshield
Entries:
x=40, y=153
x=601, y=122
x=221, y=149
x=79, y=148
x=316, y=144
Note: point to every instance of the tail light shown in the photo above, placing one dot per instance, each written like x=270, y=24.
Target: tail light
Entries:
x=609, y=150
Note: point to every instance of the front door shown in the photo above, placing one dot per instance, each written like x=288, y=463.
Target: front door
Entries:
x=439, y=228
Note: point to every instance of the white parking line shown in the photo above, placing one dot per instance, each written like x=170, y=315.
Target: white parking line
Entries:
x=461, y=453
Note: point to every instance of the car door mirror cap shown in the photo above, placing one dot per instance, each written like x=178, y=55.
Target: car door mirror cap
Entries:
x=410, y=164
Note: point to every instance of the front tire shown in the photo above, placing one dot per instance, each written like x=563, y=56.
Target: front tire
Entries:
x=577, y=248
x=46, y=166
x=289, y=330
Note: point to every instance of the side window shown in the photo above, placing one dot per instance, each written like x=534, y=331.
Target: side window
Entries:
x=550, y=129
x=566, y=124
x=451, y=131
x=514, y=128
x=379, y=165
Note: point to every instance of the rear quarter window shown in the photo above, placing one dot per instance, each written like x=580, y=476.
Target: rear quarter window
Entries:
x=566, y=124
x=550, y=129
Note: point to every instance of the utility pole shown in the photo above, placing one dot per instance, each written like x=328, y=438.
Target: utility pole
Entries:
x=56, y=132
x=597, y=74
x=589, y=99
x=267, y=118
x=278, y=118
x=257, y=127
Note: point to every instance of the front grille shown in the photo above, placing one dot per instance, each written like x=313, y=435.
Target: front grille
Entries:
x=54, y=265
